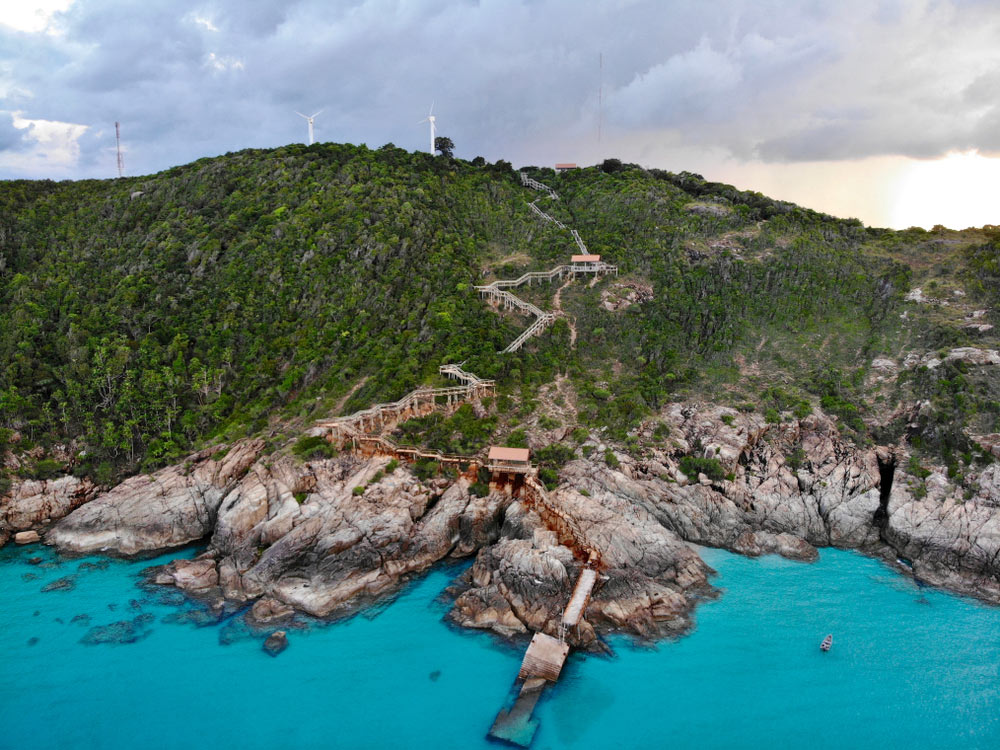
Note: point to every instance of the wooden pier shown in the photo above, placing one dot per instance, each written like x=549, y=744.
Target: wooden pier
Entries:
x=544, y=658
x=510, y=468
x=580, y=599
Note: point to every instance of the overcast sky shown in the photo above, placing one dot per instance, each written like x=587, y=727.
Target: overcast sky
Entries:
x=843, y=106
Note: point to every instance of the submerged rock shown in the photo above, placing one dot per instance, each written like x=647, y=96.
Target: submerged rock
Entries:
x=117, y=633
x=268, y=610
x=276, y=642
x=98, y=565
x=66, y=583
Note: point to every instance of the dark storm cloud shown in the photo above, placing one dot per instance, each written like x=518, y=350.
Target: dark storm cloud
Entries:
x=769, y=79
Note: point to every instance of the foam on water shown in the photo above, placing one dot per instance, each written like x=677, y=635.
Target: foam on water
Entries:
x=910, y=667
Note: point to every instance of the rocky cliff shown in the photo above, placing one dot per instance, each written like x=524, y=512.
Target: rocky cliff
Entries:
x=332, y=535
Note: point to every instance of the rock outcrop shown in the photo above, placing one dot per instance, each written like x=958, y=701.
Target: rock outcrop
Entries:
x=357, y=533
x=330, y=536
x=149, y=512
x=952, y=541
x=26, y=537
x=276, y=642
x=34, y=504
x=650, y=576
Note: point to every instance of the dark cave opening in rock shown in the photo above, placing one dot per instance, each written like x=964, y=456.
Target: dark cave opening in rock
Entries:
x=887, y=472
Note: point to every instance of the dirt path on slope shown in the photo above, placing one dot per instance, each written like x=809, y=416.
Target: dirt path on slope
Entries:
x=557, y=305
x=343, y=400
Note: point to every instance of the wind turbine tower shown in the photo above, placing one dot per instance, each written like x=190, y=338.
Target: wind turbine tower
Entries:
x=309, y=119
x=430, y=118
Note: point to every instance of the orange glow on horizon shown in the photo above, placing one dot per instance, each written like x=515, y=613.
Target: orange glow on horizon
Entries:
x=959, y=190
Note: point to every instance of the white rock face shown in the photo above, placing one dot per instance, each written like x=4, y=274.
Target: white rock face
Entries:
x=169, y=508
x=36, y=503
x=968, y=354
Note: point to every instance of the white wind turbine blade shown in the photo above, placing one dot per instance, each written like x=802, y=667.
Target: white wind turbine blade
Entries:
x=301, y=115
x=319, y=113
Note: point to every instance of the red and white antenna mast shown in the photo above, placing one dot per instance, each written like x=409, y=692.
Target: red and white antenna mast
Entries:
x=121, y=161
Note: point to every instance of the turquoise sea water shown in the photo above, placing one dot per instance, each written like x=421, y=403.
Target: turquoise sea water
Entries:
x=910, y=668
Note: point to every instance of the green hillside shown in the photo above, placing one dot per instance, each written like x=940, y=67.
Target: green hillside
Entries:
x=251, y=293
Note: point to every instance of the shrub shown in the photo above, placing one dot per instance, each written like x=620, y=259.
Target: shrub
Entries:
x=310, y=447
x=610, y=166
x=692, y=466
x=579, y=434
x=555, y=454
x=391, y=466
x=611, y=459
x=796, y=458
x=771, y=416
x=549, y=477
x=425, y=468
x=517, y=439
x=47, y=468
x=300, y=497
x=914, y=467
x=728, y=419
x=358, y=491
x=479, y=489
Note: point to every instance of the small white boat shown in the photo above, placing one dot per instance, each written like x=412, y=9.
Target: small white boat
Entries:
x=827, y=643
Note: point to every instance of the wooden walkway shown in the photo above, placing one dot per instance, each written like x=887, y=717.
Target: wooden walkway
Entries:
x=544, y=659
x=496, y=291
x=414, y=404
x=580, y=598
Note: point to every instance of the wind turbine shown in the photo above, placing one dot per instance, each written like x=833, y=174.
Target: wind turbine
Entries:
x=430, y=119
x=309, y=119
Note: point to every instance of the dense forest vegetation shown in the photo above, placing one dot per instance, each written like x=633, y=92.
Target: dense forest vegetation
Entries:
x=145, y=317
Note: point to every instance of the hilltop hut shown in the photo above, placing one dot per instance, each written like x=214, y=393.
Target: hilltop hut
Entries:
x=509, y=460
x=585, y=263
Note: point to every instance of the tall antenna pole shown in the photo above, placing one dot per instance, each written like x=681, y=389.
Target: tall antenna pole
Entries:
x=118, y=141
x=600, y=96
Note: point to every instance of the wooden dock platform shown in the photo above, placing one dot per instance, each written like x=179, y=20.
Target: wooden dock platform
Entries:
x=544, y=658
x=515, y=724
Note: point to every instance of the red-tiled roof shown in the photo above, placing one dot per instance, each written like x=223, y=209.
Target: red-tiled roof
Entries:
x=498, y=453
x=586, y=258
x=565, y=166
